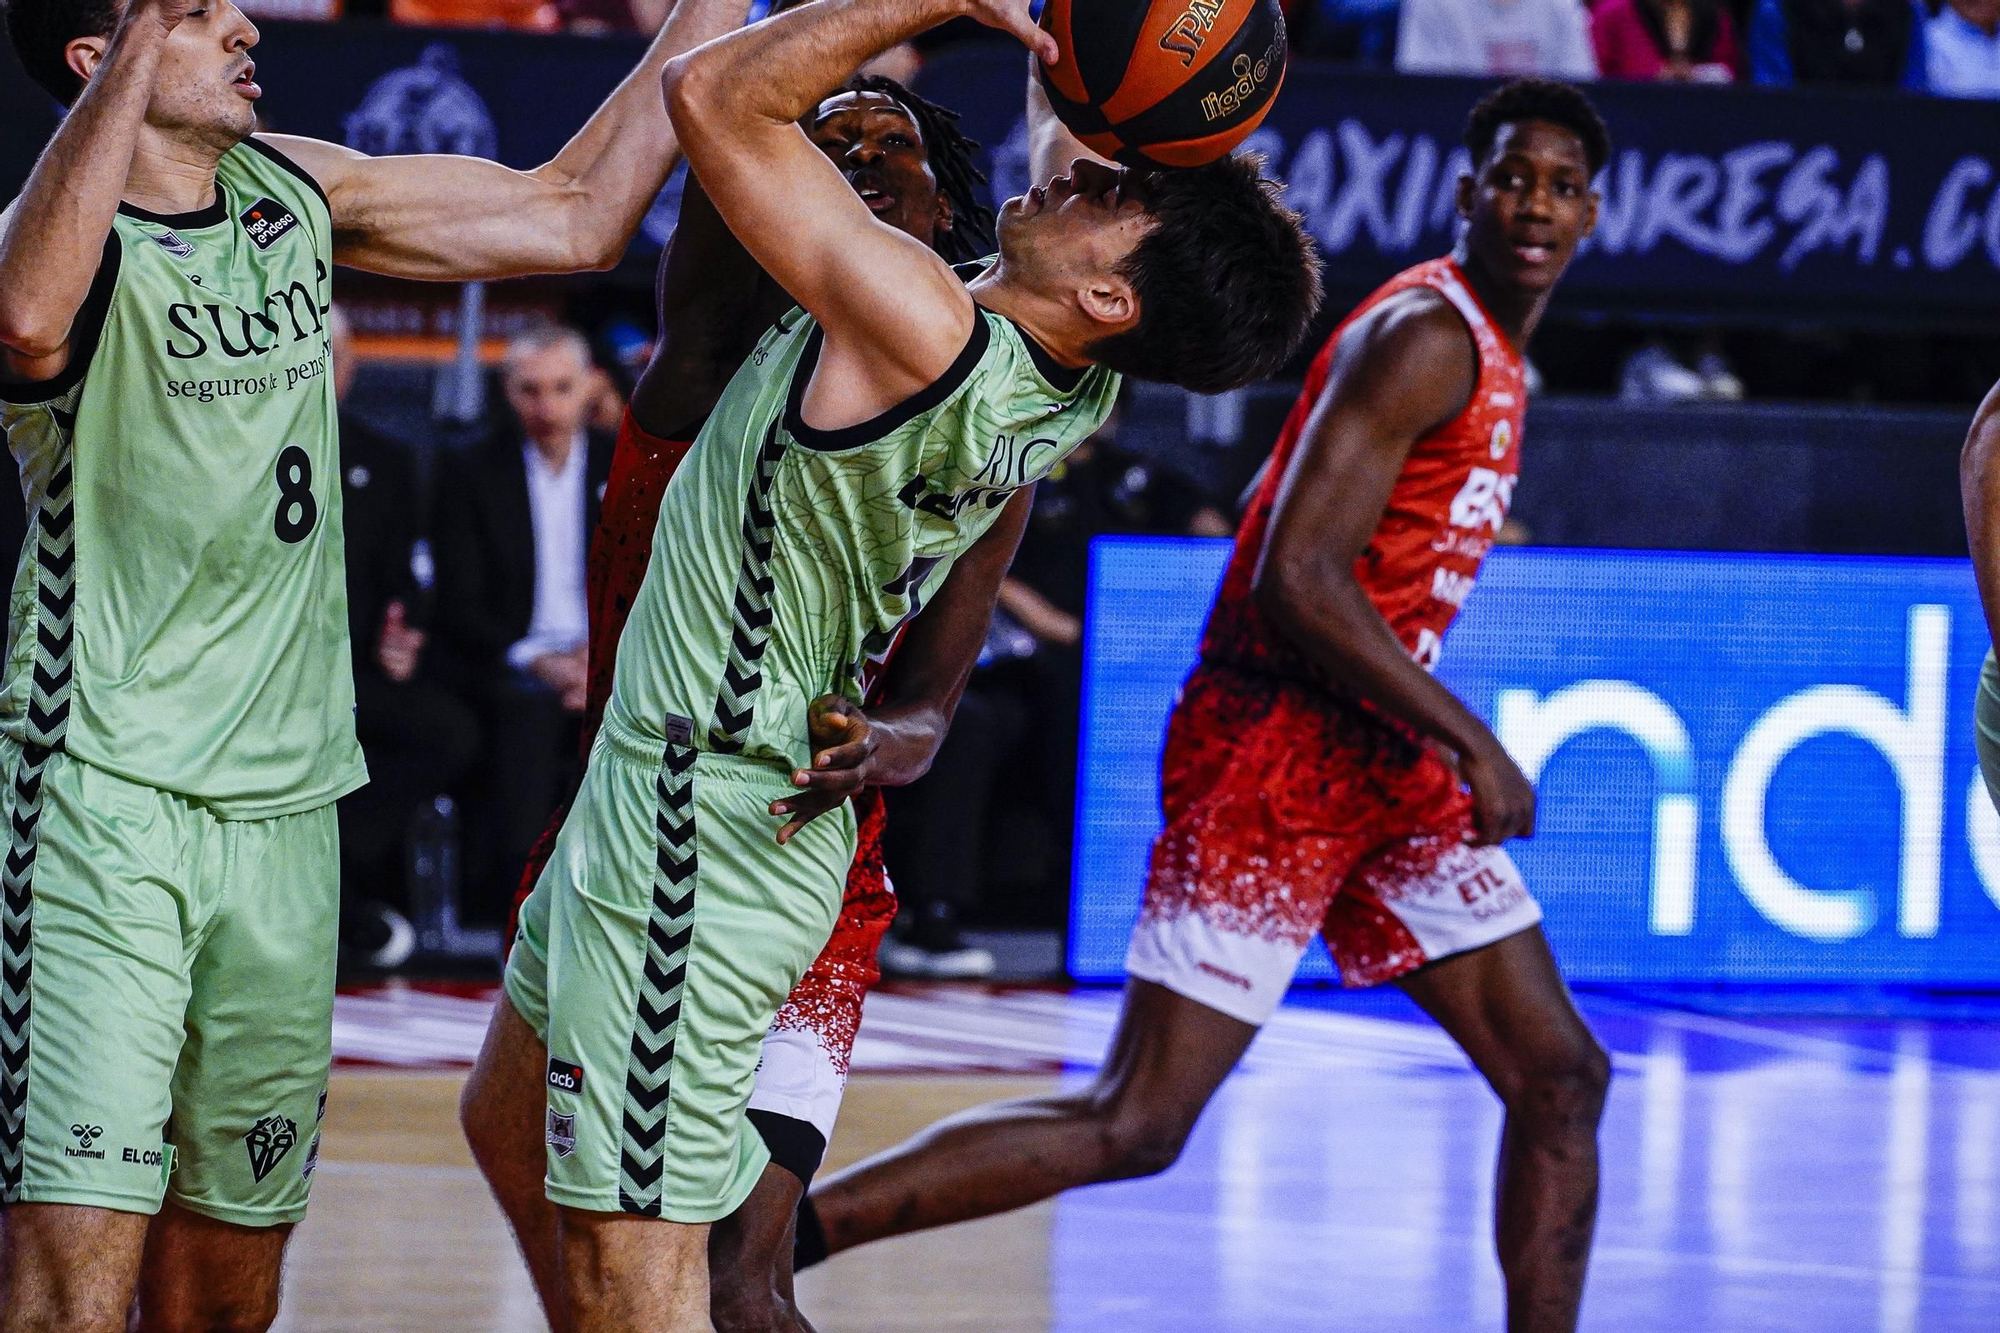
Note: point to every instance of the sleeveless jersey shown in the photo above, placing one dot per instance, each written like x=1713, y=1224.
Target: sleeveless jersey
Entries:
x=787, y=558
x=1443, y=512
x=179, y=616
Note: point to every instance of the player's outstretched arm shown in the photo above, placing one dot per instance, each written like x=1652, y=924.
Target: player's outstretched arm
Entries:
x=52, y=236
x=1051, y=147
x=456, y=218
x=1404, y=370
x=1979, y=490
x=894, y=314
x=894, y=744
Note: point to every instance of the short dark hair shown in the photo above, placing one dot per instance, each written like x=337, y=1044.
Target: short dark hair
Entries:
x=958, y=175
x=1562, y=104
x=41, y=29
x=1227, y=279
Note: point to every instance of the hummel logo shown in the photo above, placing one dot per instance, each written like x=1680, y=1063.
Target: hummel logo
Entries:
x=87, y=1134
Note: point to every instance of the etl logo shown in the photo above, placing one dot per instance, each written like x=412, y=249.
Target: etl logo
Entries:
x=1753, y=768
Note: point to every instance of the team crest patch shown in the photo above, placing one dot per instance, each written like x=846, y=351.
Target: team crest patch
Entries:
x=173, y=244
x=267, y=221
x=268, y=1141
x=562, y=1133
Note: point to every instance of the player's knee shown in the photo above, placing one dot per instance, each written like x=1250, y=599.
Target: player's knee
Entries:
x=1567, y=1083
x=740, y=1305
x=1142, y=1143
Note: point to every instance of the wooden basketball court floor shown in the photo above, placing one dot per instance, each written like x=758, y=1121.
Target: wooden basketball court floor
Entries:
x=1759, y=1174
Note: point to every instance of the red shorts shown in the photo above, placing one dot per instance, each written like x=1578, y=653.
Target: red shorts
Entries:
x=1290, y=814
x=806, y=1053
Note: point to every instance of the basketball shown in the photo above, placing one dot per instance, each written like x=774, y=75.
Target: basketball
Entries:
x=1172, y=83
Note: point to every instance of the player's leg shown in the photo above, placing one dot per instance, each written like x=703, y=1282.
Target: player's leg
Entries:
x=677, y=927
x=621, y=1272
x=1506, y=1006
x=93, y=987
x=250, y=1088
x=503, y=1111
x=66, y=1268
x=750, y=1259
x=1169, y=1055
x=204, y=1275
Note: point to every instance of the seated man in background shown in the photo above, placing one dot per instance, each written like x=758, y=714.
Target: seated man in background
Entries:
x=1962, y=49
x=417, y=737
x=514, y=514
x=1838, y=44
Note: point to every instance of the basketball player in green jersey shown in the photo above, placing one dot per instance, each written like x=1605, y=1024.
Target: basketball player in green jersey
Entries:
x=177, y=709
x=869, y=440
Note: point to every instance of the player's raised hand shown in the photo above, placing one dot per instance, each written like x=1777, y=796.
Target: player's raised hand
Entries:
x=843, y=744
x=1014, y=16
x=1503, y=800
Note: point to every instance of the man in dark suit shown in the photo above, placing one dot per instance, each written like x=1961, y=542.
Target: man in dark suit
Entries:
x=514, y=515
x=417, y=737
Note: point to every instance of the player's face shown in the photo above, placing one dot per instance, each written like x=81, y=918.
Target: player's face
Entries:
x=881, y=152
x=1531, y=204
x=206, y=86
x=550, y=391
x=1084, y=222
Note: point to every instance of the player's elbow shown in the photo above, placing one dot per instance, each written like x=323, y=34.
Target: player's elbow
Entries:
x=1280, y=587
x=689, y=86
x=31, y=334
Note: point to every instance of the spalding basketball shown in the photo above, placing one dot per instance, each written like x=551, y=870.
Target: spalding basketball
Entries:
x=1174, y=83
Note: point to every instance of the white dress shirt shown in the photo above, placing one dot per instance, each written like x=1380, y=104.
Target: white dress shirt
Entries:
x=556, y=503
x=1496, y=38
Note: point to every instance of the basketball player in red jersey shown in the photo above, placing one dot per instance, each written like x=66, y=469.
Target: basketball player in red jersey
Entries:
x=907, y=158
x=1315, y=774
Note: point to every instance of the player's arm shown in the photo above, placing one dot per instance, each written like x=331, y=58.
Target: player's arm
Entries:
x=1979, y=489
x=52, y=236
x=450, y=217
x=1051, y=147
x=1405, y=369
x=895, y=316
x=708, y=296
x=893, y=744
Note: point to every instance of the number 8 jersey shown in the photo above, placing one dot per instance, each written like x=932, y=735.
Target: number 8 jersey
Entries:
x=179, y=616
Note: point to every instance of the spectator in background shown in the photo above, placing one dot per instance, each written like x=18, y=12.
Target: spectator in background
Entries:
x=513, y=519
x=1962, y=49
x=418, y=738
x=1674, y=41
x=1020, y=713
x=1838, y=43
x=1495, y=38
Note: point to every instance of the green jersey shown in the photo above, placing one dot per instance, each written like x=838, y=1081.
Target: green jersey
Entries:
x=787, y=558
x=179, y=616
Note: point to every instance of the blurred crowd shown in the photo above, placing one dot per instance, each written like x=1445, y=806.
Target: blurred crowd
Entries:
x=1950, y=48
x=466, y=591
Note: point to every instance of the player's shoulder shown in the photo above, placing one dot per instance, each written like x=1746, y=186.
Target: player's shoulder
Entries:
x=1417, y=328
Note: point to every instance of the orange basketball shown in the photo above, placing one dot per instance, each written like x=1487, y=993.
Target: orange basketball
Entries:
x=1172, y=83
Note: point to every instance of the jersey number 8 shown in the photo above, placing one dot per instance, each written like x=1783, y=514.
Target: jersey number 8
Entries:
x=297, y=510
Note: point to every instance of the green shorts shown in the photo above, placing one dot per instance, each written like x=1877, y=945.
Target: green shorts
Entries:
x=665, y=932
x=1986, y=719
x=166, y=997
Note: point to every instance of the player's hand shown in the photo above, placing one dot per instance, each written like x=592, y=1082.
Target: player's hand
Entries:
x=843, y=747
x=1503, y=800
x=1014, y=16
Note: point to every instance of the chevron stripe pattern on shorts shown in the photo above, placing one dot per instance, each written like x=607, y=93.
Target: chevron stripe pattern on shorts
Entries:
x=54, y=537
x=735, y=704
x=669, y=933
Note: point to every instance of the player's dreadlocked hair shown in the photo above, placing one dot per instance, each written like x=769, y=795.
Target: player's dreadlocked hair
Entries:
x=950, y=153
x=1538, y=99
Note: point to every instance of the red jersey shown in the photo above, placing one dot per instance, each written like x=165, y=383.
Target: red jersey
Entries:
x=1443, y=513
